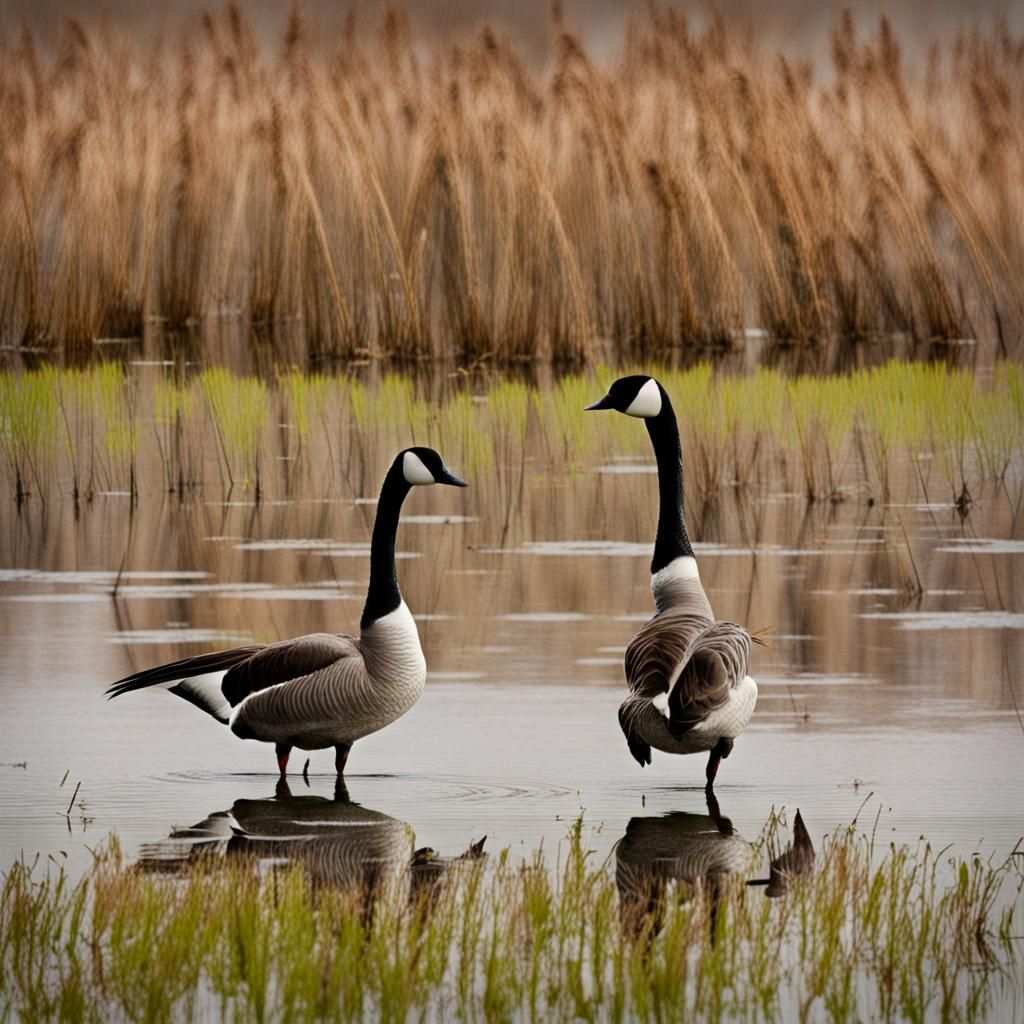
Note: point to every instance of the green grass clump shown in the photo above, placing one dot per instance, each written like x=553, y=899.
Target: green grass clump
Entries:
x=308, y=396
x=28, y=421
x=238, y=408
x=114, y=397
x=823, y=416
x=574, y=437
x=823, y=436
x=905, y=933
x=173, y=404
x=999, y=417
x=460, y=438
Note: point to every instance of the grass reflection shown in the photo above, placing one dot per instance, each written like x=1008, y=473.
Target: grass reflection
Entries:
x=903, y=932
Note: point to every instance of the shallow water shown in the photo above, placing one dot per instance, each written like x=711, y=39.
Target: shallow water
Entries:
x=872, y=700
x=523, y=763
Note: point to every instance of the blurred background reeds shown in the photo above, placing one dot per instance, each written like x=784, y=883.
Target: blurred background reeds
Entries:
x=381, y=190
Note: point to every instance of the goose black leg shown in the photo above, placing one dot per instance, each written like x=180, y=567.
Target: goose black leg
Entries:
x=721, y=750
x=282, y=750
x=341, y=752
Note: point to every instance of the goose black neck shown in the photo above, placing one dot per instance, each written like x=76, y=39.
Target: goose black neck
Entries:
x=671, y=541
x=383, y=595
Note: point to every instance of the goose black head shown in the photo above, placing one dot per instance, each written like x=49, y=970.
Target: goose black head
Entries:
x=421, y=466
x=638, y=395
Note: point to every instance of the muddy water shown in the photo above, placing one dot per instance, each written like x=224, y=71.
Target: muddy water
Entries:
x=527, y=587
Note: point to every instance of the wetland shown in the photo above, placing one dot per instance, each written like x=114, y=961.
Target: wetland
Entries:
x=867, y=525
x=250, y=255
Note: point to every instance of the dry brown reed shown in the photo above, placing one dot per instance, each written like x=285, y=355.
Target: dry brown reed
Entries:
x=382, y=196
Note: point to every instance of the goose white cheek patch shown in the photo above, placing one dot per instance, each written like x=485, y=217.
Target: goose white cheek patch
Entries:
x=647, y=402
x=414, y=471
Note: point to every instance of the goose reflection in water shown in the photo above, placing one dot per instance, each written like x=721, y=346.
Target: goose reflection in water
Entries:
x=699, y=853
x=340, y=844
x=797, y=859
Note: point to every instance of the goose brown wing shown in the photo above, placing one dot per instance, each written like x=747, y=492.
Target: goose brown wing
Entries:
x=656, y=653
x=696, y=661
x=653, y=658
x=717, y=660
x=286, y=660
x=638, y=746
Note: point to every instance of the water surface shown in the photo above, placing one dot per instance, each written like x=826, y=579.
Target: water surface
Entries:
x=874, y=698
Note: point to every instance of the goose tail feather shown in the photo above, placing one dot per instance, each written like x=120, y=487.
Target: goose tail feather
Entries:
x=197, y=680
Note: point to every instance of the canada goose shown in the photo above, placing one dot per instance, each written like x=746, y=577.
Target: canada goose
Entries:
x=324, y=689
x=687, y=673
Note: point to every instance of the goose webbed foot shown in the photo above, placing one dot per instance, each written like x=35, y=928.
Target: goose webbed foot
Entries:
x=721, y=750
x=341, y=752
x=283, y=750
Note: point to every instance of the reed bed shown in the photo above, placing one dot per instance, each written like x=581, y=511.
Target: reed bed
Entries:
x=905, y=933
x=379, y=194
x=73, y=433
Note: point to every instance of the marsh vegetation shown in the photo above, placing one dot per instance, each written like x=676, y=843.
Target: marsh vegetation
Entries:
x=898, y=933
x=376, y=193
x=214, y=245
x=160, y=512
x=73, y=433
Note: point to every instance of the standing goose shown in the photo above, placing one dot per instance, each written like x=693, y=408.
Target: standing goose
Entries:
x=687, y=673
x=324, y=689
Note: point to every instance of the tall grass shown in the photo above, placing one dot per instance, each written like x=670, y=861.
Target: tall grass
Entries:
x=238, y=408
x=28, y=422
x=77, y=431
x=900, y=933
x=377, y=193
x=113, y=397
x=173, y=406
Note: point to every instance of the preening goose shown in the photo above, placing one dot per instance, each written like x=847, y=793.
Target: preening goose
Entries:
x=324, y=689
x=687, y=673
